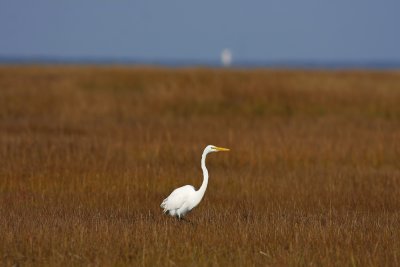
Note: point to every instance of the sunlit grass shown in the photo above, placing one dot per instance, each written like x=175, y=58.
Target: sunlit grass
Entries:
x=88, y=153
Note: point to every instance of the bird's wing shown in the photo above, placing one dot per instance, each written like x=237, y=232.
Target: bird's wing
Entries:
x=177, y=198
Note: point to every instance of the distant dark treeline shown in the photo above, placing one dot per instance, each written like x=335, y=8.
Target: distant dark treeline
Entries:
x=284, y=64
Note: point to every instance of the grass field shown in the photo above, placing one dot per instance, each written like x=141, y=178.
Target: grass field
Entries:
x=87, y=154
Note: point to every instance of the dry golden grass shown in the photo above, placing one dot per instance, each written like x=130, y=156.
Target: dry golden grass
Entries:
x=88, y=153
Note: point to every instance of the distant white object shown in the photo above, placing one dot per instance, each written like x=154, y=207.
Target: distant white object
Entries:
x=226, y=57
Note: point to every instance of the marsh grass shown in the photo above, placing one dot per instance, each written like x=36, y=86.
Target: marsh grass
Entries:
x=88, y=153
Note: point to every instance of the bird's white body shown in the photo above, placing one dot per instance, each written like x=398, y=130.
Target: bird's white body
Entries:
x=185, y=198
x=180, y=201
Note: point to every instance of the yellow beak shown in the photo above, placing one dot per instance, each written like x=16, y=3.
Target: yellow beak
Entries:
x=221, y=149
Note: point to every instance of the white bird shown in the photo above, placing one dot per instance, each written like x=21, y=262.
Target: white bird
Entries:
x=185, y=198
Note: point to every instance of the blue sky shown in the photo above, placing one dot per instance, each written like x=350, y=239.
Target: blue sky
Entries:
x=308, y=30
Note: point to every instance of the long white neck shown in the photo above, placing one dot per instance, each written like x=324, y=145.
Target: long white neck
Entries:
x=203, y=187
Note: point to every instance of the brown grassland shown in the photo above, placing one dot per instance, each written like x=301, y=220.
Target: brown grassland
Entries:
x=87, y=154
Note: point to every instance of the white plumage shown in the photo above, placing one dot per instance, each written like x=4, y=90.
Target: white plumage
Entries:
x=185, y=198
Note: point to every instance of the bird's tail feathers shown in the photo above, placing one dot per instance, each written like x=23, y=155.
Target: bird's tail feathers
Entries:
x=164, y=205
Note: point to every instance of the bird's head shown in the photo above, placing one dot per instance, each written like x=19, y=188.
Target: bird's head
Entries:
x=211, y=148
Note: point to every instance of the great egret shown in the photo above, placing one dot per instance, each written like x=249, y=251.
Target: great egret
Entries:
x=185, y=198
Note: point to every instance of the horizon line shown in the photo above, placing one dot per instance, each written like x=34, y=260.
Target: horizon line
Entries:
x=284, y=63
